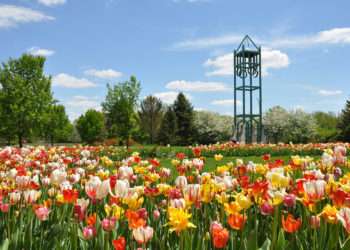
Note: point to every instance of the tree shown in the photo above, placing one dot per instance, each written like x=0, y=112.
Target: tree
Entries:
x=275, y=124
x=120, y=108
x=184, y=120
x=301, y=127
x=326, y=126
x=151, y=114
x=57, y=127
x=91, y=126
x=167, y=131
x=212, y=127
x=344, y=123
x=25, y=96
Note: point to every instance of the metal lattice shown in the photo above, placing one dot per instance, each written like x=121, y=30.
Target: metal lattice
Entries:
x=247, y=79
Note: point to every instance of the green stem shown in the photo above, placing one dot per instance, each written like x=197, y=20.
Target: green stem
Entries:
x=275, y=228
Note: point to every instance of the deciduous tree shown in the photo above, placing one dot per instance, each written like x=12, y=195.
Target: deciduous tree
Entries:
x=120, y=108
x=91, y=126
x=57, y=127
x=25, y=96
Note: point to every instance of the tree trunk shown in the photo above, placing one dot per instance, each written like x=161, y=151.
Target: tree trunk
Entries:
x=20, y=140
x=127, y=143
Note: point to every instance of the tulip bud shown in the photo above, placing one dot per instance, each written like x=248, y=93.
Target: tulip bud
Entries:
x=315, y=221
x=266, y=208
x=289, y=200
x=5, y=207
x=89, y=232
x=108, y=224
x=156, y=214
x=42, y=213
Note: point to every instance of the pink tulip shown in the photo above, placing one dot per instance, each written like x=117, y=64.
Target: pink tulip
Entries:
x=108, y=224
x=156, y=214
x=5, y=207
x=89, y=232
x=289, y=200
x=266, y=208
x=42, y=213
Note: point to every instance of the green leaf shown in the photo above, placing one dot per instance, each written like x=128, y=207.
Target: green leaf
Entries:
x=281, y=242
x=266, y=245
x=5, y=244
x=346, y=244
x=252, y=240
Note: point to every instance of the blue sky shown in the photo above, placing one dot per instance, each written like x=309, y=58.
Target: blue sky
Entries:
x=184, y=45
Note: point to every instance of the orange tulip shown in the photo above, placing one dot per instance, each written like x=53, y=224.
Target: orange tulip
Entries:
x=134, y=219
x=291, y=224
x=91, y=219
x=220, y=237
x=236, y=221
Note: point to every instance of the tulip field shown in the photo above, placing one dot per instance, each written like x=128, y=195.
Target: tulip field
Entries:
x=203, y=197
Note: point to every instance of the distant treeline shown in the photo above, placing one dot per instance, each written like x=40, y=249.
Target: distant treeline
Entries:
x=30, y=114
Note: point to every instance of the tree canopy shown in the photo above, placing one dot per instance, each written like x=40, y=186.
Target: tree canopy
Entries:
x=185, y=129
x=91, y=126
x=344, y=123
x=120, y=108
x=151, y=115
x=25, y=96
x=57, y=127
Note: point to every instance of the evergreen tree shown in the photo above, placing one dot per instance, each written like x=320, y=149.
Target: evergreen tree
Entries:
x=151, y=114
x=344, y=123
x=184, y=120
x=167, y=131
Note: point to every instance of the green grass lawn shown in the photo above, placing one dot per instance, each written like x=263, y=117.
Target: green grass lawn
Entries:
x=211, y=164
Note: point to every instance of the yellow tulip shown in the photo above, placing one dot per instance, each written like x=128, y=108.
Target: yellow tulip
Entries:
x=179, y=220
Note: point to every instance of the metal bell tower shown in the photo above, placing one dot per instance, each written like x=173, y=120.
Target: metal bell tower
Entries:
x=247, y=81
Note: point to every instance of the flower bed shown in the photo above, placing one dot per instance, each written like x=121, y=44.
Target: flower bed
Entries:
x=98, y=198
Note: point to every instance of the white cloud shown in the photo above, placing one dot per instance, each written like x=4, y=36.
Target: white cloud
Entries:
x=196, y=86
x=78, y=105
x=169, y=97
x=84, y=102
x=68, y=81
x=325, y=92
x=11, y=16
x=271, y=59
x=35, y=51
x=207, y=42
x=105, y=74
x=330, y=36
x=52, y=2
x=225, y=102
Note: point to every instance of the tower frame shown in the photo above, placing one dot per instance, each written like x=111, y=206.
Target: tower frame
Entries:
x=247, y=79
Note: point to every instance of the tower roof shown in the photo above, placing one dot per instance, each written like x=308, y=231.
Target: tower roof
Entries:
x=248, y=44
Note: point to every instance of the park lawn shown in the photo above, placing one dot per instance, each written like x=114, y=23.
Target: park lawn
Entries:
x=211, y=164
